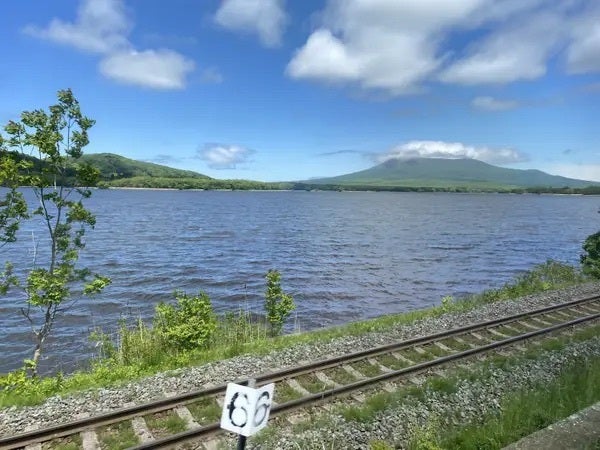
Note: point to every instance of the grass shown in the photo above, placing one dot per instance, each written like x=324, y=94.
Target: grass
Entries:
x=165, y=423
x=379, y=445
x=456, y=345
x=284, y=393
x=391, y=363
x=238, y=334
x=367, y=411
x=117, y=436
x=312, y=384
x=434, y=350
x=415, y=356
x=340, y=376
x=366, y=368
x=594, y=446
x=70, y=443
x=205, y=411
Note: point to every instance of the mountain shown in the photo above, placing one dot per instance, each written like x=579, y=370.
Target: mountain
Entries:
x=114, y=167
x=444, y=173
x=118, y=171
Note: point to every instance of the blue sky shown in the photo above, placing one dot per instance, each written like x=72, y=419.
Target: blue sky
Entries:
x=288, y=90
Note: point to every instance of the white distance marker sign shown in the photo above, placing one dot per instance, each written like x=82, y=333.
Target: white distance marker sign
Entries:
x=246, y=410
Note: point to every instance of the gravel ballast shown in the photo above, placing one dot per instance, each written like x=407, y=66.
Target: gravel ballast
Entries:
x=14, y=420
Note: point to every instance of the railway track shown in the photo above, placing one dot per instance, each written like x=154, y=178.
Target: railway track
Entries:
x=193, y=417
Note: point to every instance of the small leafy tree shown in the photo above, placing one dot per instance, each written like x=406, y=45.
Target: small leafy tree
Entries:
x=590, y=261
x=13, y=209
x=278, y=304
x=43, y=150
x=189, y=324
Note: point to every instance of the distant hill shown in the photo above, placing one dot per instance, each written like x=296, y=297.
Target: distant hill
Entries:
x=445, y=173
x=115, y=167
x=118, y=171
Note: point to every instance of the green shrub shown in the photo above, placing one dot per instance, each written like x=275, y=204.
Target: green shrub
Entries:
x=278, y=304
x=590, y=261
x=188, y=325
x=17, y=384
x=16, y=381
x=447, y=301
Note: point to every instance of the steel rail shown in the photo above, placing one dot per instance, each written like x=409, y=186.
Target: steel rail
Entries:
x=344, y=359
x=72, y=427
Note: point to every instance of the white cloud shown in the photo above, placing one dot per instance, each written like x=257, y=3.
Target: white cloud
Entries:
x=324, y=57
x=102, y=27
x=400, y=46
x=266, y=18
x=583, y=54
x=224, y=156
x=498, y=11
x=517, y=52
x=383, y=44
x=486, y=103
x=453, y=150
x=159, y=69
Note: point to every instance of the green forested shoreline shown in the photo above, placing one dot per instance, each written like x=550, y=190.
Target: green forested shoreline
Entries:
x=214, y=184
x=191, y=183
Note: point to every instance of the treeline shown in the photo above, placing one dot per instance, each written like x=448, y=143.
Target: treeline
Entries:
x=66, y=175
x=192, y=183
x=589, y=190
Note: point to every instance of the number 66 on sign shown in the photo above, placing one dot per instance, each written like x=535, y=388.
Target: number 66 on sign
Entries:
x=246, y=410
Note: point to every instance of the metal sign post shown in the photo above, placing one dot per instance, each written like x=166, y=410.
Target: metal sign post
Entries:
x=241, y=445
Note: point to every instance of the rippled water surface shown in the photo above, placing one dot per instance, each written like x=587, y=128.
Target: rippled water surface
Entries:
x=344, y=256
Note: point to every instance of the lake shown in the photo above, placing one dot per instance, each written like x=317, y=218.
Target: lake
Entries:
x=344, y=256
